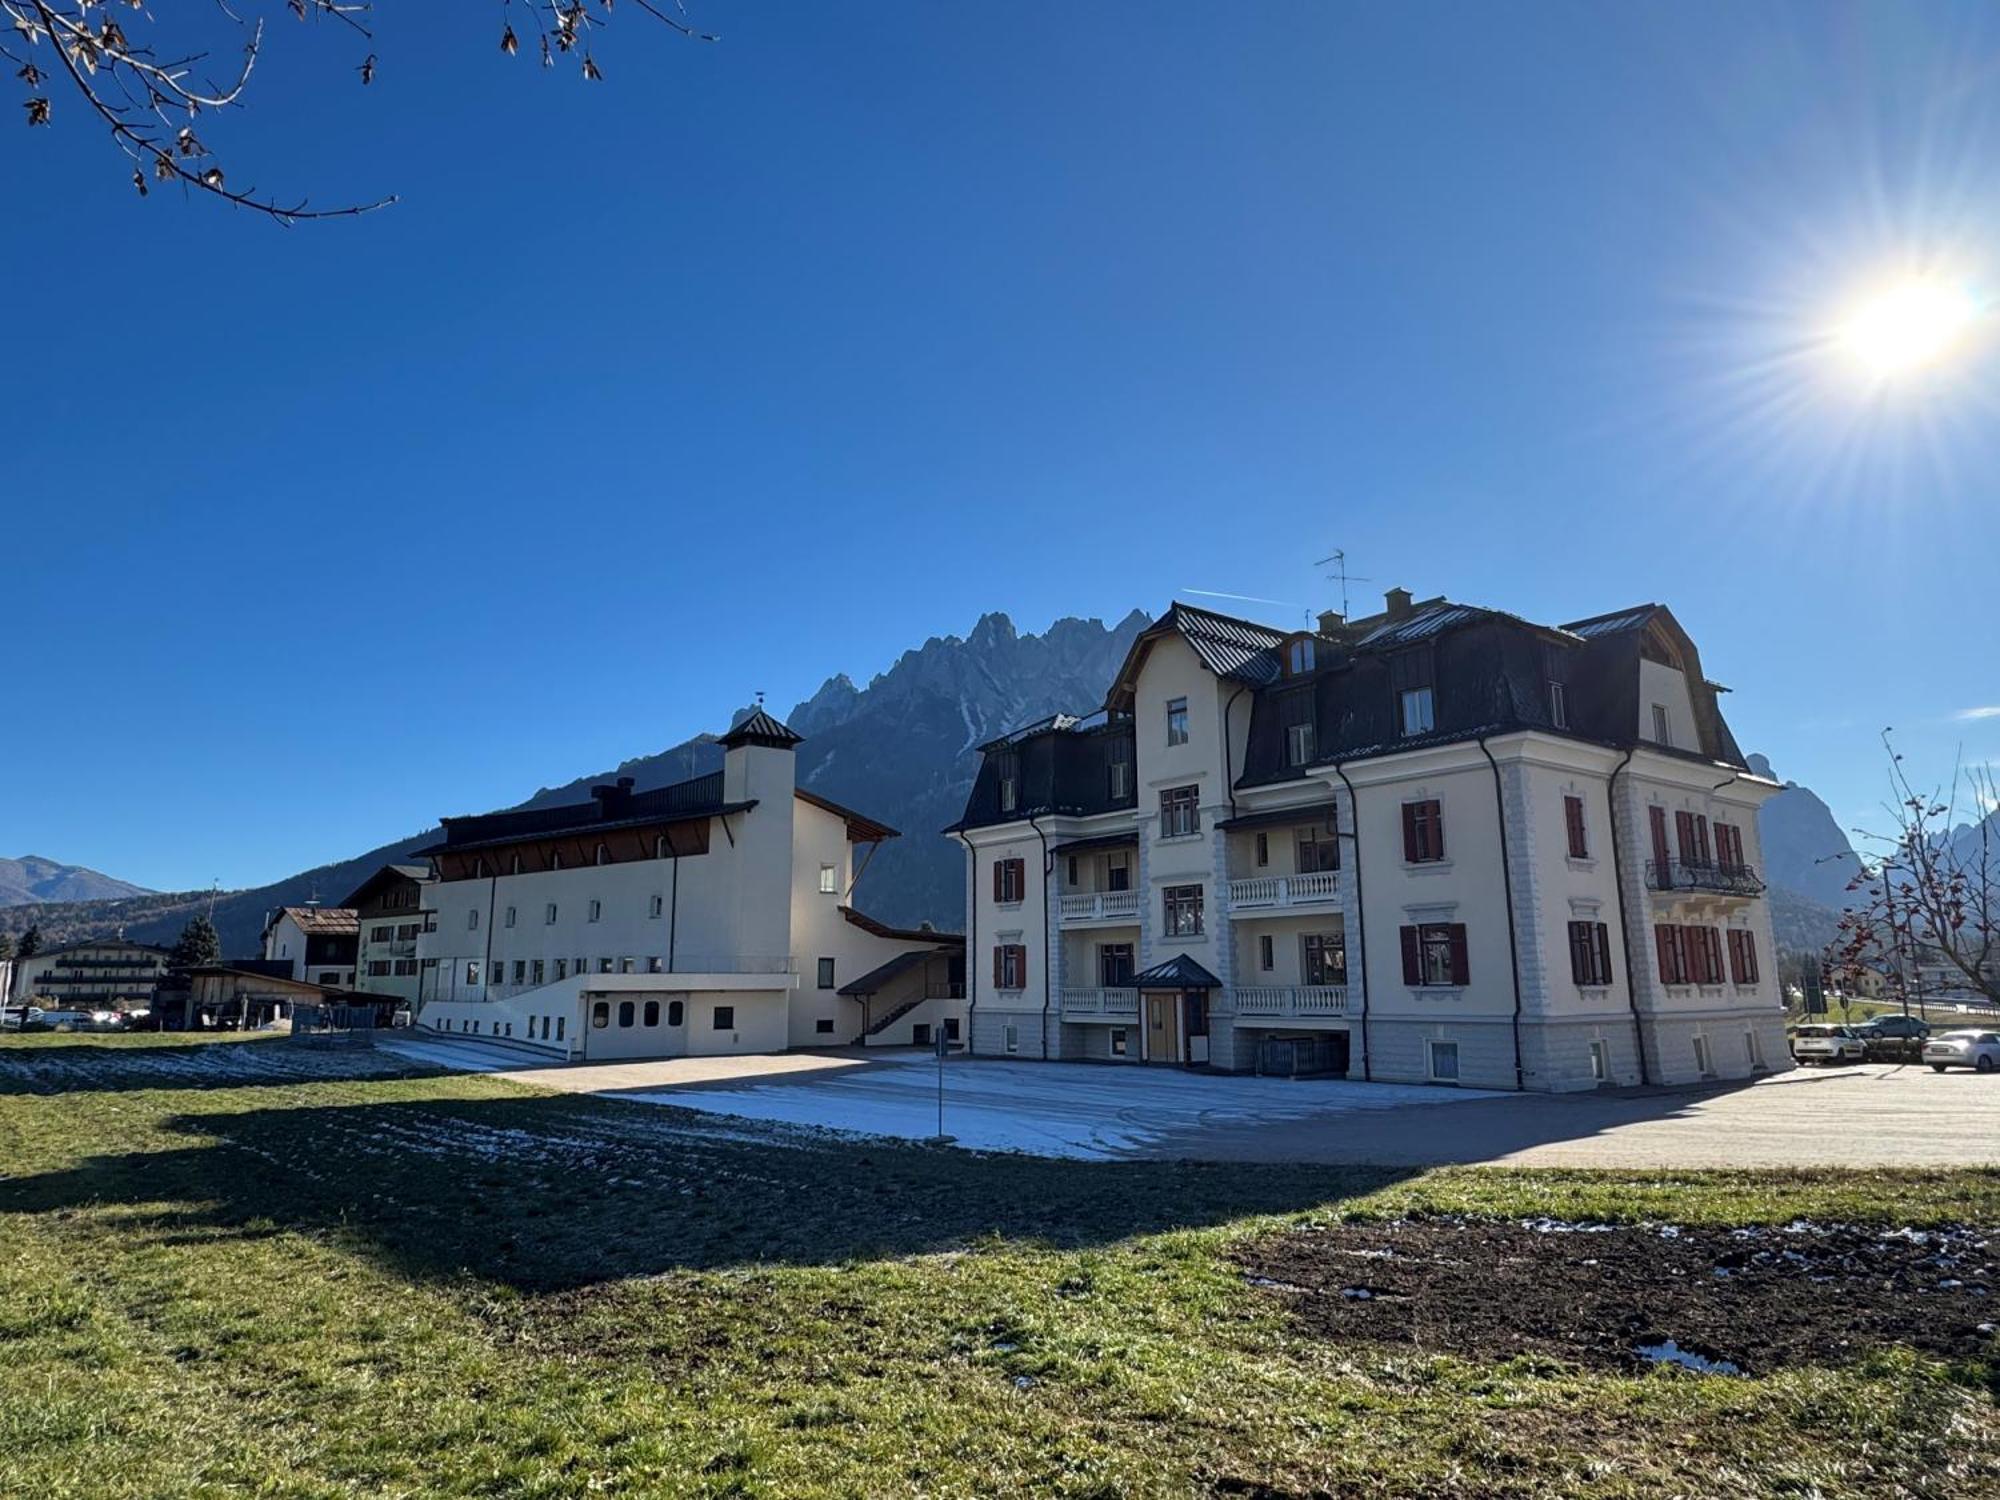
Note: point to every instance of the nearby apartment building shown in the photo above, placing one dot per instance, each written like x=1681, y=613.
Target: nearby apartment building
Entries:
x=390, y=914
x=714, y=915
x=319, y=942
x=102, y=974
x=1440, y=843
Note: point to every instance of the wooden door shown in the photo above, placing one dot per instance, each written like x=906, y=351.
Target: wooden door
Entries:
x=1163, y=1032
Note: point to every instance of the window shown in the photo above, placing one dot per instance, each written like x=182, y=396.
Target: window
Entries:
x=472, y=920
x=920, y=1034
x=676, y=1012
x=535, y=971
x=1267, y=953
x=378, y=968
x=1010, y=782
x=651, y=1015
x=1010, y=1038
x=1691, y=834
x=655, y=904
x=510, y=916
x=1663, y=729
x=405, y=931
x=1419, y=710
x=1600, y=1062
x=562, y=968
x=1118, y=871
x=1444, y=1062
x=407, y=966
x=1010, y=966
x=520, y=971
x=603, y=855
x=380, y=934
x=1180, y=812
x=514, y=865
x=1120, y=770
x=1558, y=706
x=951, y=1028
x=555, y=863
x=1072, y=872
x=655, y=964
x=472, y=971
x=1742, y=956
x=1318, y=851
x=594, y=910
x=1323, y=958
x=1423, y=832
x=1656, y=819
x=604, y=966
x=1670, y=944
x=1010, y=881
x=1434, y=955
x=826, y=973
x=600, y=1015
x=1573, y=826
x=1299, y=656
x=1182, y=905
x=624, y=1013
x=829, y=880
x=1118, y=1042
x=1729, y=847
x=1702, y=1064
x=1704, y=954
x=625, y=965
x=561, y=1022
x=725, y=1018
x=1177, y=721
x=1590, y=953
x=1114, y=965
x=1298, y=744
x=1263, y=850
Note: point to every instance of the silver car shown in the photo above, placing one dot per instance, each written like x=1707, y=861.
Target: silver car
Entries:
x=1979, y=1050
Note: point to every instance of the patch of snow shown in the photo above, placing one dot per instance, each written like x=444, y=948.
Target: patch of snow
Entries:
x=1357, y=1294
x=1565, y=1226
x=1670, y=1353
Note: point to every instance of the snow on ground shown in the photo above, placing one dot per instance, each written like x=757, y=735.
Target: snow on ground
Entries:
x=1047, y=1109
x=218, y=1064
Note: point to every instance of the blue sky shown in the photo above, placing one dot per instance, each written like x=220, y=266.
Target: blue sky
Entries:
x=766, y=360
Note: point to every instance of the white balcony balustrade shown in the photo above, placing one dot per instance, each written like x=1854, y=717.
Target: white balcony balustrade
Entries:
x=1277, y=892
x=1099, y=906
x=1100, y=1002
x=1297, y=1001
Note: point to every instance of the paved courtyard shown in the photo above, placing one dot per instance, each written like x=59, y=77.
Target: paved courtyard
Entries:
x=1873, y=1115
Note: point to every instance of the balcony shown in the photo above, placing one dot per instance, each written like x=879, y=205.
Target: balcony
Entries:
x=1304, y=1001
x=1116, y=1004
x=1680, y=876
x=1099, y=906
x=1262, y=893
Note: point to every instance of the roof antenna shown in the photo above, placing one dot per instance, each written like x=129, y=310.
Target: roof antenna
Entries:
x=1341, y=576
x=760, y=697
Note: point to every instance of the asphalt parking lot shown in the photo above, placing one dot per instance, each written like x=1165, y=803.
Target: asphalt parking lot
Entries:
x=1872, y=1114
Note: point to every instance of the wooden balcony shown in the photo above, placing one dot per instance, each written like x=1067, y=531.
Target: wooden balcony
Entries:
x=1266, y=893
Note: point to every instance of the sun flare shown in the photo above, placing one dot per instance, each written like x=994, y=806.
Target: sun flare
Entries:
x=1908, y=327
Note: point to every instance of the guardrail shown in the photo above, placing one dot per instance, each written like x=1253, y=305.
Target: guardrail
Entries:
x=1304, y=1000
x=1276, y=892
x=1099, y=906
x=1687, y=875
x=1112, y=1002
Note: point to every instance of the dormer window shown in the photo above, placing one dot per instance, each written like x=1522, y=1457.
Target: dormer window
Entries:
x=1121, y=770
x=1663, y=725
x=1299, y=657
x=1418, y=711
x=514, y=867
x=1010, y=783
x=1558, y=706
x=1177, y=721
x=603, y=855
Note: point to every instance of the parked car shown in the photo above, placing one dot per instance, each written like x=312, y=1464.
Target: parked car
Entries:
x=66, y=1020
x=1979, y=1050
x=1827, y=1044
x=20, y=1017
x=1893, y=1038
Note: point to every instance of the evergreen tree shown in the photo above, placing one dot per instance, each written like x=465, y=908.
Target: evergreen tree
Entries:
x=31, y=942
x=198, y=945
x=6, y=946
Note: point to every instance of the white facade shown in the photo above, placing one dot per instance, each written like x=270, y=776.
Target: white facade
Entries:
x=723, y=925
x=317, y=941
x=99, y=974
x=1545, y=834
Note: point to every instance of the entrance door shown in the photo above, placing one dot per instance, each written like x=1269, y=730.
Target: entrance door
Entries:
x=1163, y=1032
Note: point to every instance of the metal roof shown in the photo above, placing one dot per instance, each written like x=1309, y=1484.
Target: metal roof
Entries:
x=1240, y=650
x=1616, y=623
x=758, y=728
x=1178, y=973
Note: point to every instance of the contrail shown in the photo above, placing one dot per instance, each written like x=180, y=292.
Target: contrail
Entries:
x=1246, y=598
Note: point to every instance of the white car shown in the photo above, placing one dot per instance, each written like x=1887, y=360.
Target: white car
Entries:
x=13, y=1017
x=1979, y=1050
x=1827, y=1044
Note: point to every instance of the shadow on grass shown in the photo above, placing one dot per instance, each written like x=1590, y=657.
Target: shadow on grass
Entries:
x=253, y=1062
x=551, y=1193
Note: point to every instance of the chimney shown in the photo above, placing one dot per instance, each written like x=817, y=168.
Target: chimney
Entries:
x=1331, y=622
x=1396, y=603
x=612, y=800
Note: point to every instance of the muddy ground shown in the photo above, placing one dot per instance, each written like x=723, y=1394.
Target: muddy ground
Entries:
x=1757, y=1298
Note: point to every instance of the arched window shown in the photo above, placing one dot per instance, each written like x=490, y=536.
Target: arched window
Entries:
x=603, y=855
x=515, y=868
x=555, y=859
x=479, y=867
x=600, y=1014
x=624, y=1012
x=676, y=1012
x=652, y=1012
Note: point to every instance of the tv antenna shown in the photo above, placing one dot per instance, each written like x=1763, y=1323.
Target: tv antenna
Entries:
x=1341, y=576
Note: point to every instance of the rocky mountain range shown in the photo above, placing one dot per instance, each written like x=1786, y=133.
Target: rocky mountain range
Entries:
x=904, y=748
x=31, y=879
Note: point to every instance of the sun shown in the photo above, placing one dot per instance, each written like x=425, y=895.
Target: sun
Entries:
x=1907, y=328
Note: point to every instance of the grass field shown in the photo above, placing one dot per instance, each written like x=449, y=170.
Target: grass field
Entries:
x=234, y=1267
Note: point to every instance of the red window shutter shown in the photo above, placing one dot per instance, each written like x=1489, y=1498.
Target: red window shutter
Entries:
x=1658, y=817
x=1021, y=963
x=998, y=952
x=1603, y=954
x=1735, y=956
x=1684, y=836
x=1701, y=846
x=1437, y=830
x=1750, y=975
x=1577, y=969
x=1663, y=946
x=1461, y=968
x=1412, y=849
x=1413, y=963
x=998, y=864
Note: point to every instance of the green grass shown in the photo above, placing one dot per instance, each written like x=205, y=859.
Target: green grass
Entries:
x=429, y=1285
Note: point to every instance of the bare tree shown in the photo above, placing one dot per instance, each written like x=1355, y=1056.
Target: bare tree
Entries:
x=1933, y=893
x=149, y=96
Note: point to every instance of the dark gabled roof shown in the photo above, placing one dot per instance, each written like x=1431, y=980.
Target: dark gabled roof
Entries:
x=99, y=942
x=1279, y=816
x=875, y=979
x=1434, y=618
x=758, y=728
x=903, y=934
x=610, y=807
x=1232, y=648
x=338, y=921
x=384, y=876
x=1102, y=841
x=1178, y=973
x=1616, y=623
x=861, y=829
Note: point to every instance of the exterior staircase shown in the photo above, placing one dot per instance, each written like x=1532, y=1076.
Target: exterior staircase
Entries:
x=883, y=1023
